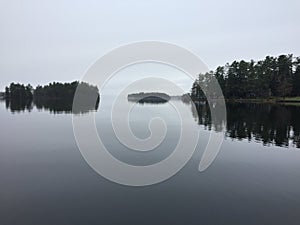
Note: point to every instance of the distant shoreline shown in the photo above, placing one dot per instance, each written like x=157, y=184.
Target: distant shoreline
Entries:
x=280, y=100
x=267, y=100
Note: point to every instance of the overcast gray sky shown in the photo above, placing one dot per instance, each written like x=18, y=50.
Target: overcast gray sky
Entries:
x=43, y=41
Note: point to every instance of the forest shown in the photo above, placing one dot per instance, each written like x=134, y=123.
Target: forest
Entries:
x=53, y=90
x=272, y=77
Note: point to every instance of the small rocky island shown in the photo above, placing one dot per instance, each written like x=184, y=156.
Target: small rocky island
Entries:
x=151, y=97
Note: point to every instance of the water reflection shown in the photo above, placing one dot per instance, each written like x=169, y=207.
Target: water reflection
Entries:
x=19, y=105
x=62, y=105
x=270, y=124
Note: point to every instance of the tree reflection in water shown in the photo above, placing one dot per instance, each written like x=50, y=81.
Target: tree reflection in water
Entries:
x=62, y=105
x=271, y=124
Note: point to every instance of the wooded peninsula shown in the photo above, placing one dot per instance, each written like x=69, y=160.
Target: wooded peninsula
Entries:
x=271, y=78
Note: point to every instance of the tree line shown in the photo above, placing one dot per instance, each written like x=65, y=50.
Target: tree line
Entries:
x=268, y=78
x=19, y=92
x=53, y=90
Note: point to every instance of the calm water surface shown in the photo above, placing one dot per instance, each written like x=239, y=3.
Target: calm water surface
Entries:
x=255, y=179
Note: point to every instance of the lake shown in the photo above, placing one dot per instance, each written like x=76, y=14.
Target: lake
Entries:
x=255, y=179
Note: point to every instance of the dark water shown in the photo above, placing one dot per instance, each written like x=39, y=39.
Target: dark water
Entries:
x=255, y=179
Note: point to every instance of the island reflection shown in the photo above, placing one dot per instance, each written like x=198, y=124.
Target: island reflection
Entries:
x=55, y=106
